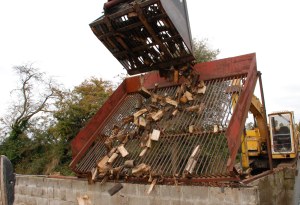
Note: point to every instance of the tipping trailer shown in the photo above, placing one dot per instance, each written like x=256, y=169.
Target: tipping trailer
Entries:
x=180, y=121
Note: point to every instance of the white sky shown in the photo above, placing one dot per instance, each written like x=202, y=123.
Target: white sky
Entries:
x=55, y=36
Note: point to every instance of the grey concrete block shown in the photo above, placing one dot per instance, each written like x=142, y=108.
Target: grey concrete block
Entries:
x=31, y=200
x=38, y=192
x=50, y=193
x=249, y=195
x=195, y=193
x=79, y=185
x=60, y=194
x=170, y=192
x=71, y=196
x=129, y=189
x=42, y=201
x=65, y=184
x=50, y=182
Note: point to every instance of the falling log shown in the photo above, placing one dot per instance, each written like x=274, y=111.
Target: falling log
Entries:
x=155, y=135
x=115, y=189
x=152, y=186
x=123, y=151
x=144, y=92
x=143, y=152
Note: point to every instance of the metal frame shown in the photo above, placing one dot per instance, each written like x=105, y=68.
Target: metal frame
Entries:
x=244, y=65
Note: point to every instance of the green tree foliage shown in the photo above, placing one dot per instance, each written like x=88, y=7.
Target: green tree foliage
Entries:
x=202, y=51
x=73, y=113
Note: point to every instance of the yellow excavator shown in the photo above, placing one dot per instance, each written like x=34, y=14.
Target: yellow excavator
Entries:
x=280, y=134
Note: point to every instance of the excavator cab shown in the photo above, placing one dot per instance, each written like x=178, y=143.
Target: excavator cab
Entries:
x=284, y=142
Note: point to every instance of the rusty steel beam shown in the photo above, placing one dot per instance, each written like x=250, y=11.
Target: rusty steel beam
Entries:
x=88, y=134
x=240, y=112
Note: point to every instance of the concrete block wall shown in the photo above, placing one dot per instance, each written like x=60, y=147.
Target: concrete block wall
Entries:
x=33, y=190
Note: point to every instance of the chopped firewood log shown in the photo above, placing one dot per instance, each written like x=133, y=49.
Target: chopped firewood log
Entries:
x=115, y=189
x=112, y=158
x=129, y=164
x=191, y=128
x=112, y=151
x=188, y=95
x=144, y=92
x=195, y=151
x=190, y=166
x=156, y=116
x=116, y=171
x=140, y=169
x=174, y=112
x=183, y=99
x=108, y=143
x=201, y=90
x=155, y=135
x=149, y=141
x=143, y=152
x=92, y=175
x=123, y=151
x=152, y=186
x=140, y=112
x=103, y=166
x=216, y=128
x=193, y=108
x=171, y=102
x=142, y=121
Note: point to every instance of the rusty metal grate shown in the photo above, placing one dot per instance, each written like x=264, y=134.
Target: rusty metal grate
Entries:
x=142, y=36
x=170, y=155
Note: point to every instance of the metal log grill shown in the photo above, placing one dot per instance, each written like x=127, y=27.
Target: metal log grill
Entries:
x=168, y=157
x=147, y=35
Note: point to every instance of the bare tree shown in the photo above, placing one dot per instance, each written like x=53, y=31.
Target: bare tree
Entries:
x=32, y=99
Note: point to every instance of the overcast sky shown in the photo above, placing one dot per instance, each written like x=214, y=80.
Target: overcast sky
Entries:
x=55, y=36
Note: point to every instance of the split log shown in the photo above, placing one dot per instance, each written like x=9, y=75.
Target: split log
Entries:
x=129, y=164
x=188, y=95
x=155, y=135
x=140, y=169
x=112, y=151
x=123, y=151
x=112, y=158
x=156, y=116
x=140, y=112
x=216, y=128
x=191, y=128
x=142, y=121
x=143, y=152
x=152, y=186
x=201, y=90
x=174, y=112
x=190, y=166
x=103, y=166
x=149, y=141
x=115, y=189
x=183, y=99
x=171, y=102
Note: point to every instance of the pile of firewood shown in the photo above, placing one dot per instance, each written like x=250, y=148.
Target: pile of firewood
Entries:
x=144, y=119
